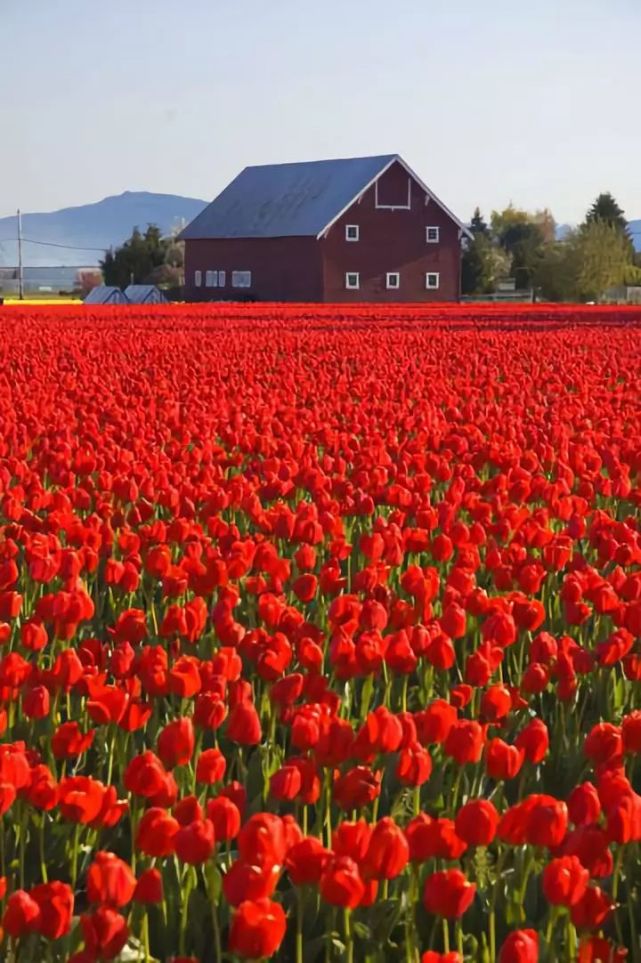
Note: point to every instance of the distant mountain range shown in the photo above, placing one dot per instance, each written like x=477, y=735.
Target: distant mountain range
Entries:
x=99, y=226
x=634, y=227
x=89, y=230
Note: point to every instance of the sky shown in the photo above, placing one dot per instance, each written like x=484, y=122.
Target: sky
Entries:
x=490, y=102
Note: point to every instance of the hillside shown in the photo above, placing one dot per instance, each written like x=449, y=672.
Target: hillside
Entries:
x=101, y=225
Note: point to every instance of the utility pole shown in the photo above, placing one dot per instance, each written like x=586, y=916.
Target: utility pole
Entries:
x=20, y=272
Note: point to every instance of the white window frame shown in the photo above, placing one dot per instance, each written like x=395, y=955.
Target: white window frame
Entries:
x=352, y=232
x=241, y=279
x=348, y=283
x=214, y=279
x=428, y=285
x=437, y=234
x=390, y=278
x=198, y=278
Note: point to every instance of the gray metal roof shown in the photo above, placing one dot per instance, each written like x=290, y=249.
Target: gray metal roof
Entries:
x=144, y=294
x=104, y=294
x=286, y=200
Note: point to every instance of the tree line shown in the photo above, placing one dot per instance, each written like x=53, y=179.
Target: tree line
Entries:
x=145, y=258
x=581, y=266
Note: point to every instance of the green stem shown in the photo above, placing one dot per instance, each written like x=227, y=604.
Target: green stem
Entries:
x=186, y=893
x=349, y=940
x=299, y=927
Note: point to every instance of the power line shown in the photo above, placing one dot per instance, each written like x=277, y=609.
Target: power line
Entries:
x=69, y=247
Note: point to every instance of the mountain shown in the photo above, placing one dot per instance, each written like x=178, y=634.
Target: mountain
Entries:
x=102, y=225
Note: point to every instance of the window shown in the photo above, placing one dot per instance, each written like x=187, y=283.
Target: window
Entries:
x=215, y=279
x=393, y=281
x=241, y=279
x=351, y=232
x=432, y=235
x=352, y=281
x=198, y=278
x=432, y=281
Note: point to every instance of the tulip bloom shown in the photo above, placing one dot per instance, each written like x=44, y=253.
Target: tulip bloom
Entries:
x=521, y=946
x=564, y=881
x=341, y=883
x=388, y=853
x=257, y=928
x=110, y=881
x=448, y=893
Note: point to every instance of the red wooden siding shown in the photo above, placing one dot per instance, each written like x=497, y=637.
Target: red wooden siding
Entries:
x=389, y=241
x=282, y=268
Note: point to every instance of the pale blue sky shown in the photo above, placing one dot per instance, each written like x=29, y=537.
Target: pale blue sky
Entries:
x=489, y=100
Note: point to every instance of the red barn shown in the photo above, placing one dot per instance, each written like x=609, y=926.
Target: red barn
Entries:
x=358, y=229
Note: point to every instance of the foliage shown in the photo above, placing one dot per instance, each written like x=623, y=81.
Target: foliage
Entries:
x=144, y=259
x=606, y=209
x=522, y=237
x=603, y=258
x=555, y=274
x=582, y=266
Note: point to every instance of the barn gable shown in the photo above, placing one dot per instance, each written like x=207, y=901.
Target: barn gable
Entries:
x=293, y=200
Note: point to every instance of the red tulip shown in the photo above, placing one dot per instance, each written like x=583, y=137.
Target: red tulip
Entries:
x=195, y=842
x=341, y=883
x=176, y=743
x=476, y=822
x=55, y=901
x=257, y=928
x=520, y=946
x=564, y=881
x=149, y=888
x=22, y=914
x=388, y=853
x=448, y=893
x=110, y=880
x=105, y=932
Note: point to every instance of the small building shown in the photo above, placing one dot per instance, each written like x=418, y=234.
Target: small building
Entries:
x=623, y=294
x=144, y=294
x=357, y=229
x=105, y=294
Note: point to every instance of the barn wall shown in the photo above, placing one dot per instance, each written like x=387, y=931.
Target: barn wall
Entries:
x=283, y=268
x=392, y=240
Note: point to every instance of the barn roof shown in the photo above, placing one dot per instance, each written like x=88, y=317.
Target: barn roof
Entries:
x=292, y=200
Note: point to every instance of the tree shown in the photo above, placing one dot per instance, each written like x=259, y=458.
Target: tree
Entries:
x=606, y=209
x=137, y=259
x=555, y=275
x=522, y=238
x=603, y=258
x=545, y=221
x=483, y=263
x=478, y=225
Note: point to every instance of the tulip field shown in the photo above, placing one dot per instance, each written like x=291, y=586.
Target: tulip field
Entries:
x=320, y=634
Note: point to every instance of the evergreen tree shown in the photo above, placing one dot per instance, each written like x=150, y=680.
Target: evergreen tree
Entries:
x=606, y=209
x=478, y=225
x=137, y=260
